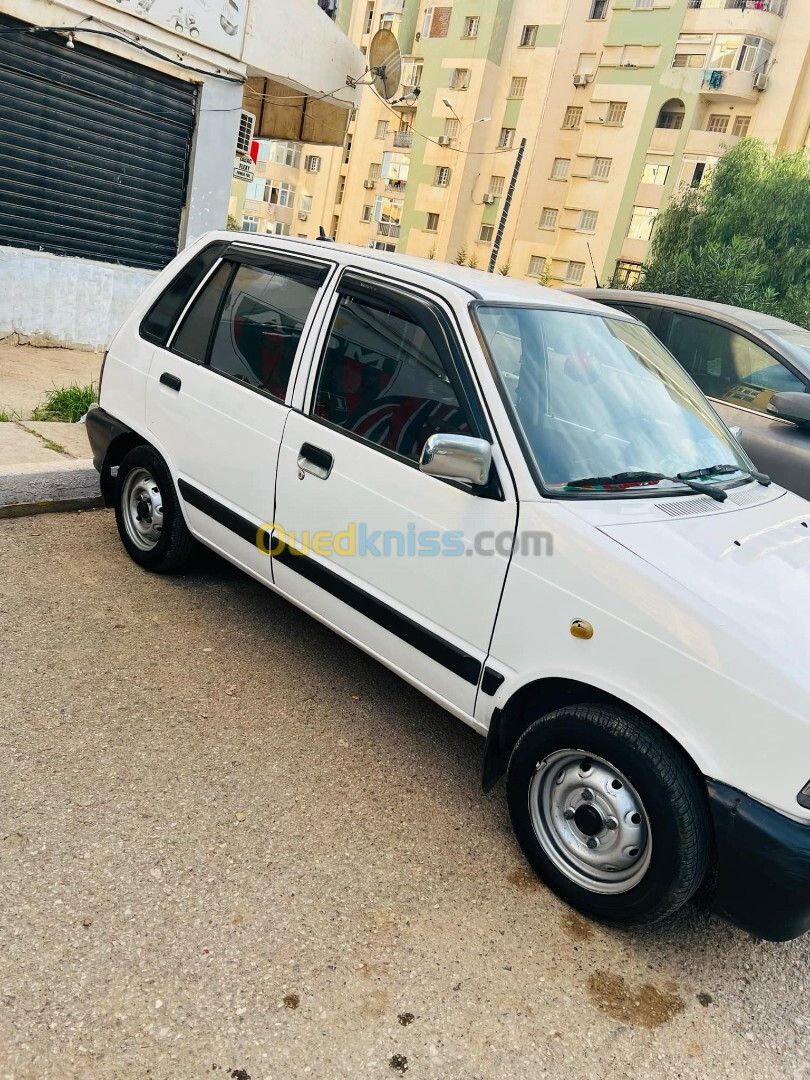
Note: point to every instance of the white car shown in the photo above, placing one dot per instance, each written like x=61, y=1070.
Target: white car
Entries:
x=518, y=501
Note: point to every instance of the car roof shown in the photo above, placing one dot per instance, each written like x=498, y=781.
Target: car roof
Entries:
x=477, y=283
x=742, y=317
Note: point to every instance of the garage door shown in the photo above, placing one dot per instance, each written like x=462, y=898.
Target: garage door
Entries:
x=94, y=151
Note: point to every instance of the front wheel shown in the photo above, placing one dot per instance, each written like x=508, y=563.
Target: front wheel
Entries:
x=148, y=515
x=609, y=813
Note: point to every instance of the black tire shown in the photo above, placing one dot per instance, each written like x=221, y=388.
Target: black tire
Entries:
x=671, y=820
x=163, y=549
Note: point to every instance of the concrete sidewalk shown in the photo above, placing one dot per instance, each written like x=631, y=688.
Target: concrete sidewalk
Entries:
x=44, y=467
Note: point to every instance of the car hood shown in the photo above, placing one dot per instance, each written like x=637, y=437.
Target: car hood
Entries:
x=751, y=565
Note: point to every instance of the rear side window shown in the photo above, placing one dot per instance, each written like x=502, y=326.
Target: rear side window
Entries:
x=164, y=313
x=261, y=324
x=194, y=334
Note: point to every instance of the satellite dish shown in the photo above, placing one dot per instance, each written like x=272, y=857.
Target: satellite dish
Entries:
x=385, y=64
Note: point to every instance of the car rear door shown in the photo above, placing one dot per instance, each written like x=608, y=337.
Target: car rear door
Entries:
x=217, y=392
x=408, y=565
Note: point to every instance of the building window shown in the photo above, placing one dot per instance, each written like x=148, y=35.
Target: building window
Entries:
x=671, y=115
x=718, y=123
x=285, y=153
x=348, y=153
x=250, y=223
x=517, y=88
x=382, y=129
x=733, y=52
x=573, y=117
x=367, y=211
x=427, y=19
x=306, y=204
x=432, y=223
x=741, y=124
x=641, y=222
x=375, y=170
x=574, y=272
x=451, y=128
x=528, y=37
x=642, y=5
x=548, y=218
x=436, y=22
x=586, y=65
x=598, y=9
x=616, y=112
x=312, y=163
x=600, y=170
x=654, y=173
x=691, y=50
x=626, y=275
x=486, y=233
x=506, y=138
x=369, y=21
x=341, y=191
x=559, y=170
x=442, y=177
x=459, y=78
x=279, y=193
x=587, y=221
x=537, y=266
x=278, y=228
x=496, y=185
x=256, y=189
x=471, y=24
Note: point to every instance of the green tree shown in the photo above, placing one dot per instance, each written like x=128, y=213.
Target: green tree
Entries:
x=233, y=224
x=743, y=238
x=461, y=257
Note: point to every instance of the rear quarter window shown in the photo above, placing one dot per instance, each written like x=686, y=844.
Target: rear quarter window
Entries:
x=164, y=313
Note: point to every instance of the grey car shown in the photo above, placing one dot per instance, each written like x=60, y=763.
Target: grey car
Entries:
x=754, y=368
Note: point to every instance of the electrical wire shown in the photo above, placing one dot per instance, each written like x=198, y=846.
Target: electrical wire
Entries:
x=116, y=35
x=286, y=104
x=455, y=149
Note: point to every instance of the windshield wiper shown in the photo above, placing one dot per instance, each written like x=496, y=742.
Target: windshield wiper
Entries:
x=726, y=470
x=642, y=476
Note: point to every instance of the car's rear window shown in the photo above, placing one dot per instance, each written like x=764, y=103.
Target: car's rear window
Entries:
x=164, y=313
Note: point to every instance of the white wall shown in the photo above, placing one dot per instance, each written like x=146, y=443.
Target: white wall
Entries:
x=65, y=301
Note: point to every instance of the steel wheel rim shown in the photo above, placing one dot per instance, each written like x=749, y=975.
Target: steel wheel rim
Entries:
x=142, y=509
x=590, y=821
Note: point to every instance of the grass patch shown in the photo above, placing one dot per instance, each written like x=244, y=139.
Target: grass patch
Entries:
x=67, y=403
x=9, y=416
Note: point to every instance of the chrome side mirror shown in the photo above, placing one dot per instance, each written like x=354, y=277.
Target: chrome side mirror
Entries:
x=457, y=457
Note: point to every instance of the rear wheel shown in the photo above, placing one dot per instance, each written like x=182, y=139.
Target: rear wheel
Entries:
x=147, y=513
x=610, y=813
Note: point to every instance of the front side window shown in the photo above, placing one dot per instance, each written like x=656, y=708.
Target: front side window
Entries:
x=601, y=406
x=728, y=365
x=385, y=377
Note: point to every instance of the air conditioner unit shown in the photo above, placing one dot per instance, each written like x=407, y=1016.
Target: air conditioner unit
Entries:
x=444, y=140
x=247, y=124
x=369, y=184
x=582, y=80
x=302, y=215
x=760, y=81
x=489, y=199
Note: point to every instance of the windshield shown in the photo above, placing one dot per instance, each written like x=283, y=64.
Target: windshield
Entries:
x=597, y=398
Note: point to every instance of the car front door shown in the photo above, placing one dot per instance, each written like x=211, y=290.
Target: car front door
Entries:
x=740, y=376
x=216, y=393
x=408, y=565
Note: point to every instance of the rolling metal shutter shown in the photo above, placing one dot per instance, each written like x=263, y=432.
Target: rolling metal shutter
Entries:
x=94, y=151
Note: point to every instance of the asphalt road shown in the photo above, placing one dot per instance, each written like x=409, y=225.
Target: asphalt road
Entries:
x=233, y=846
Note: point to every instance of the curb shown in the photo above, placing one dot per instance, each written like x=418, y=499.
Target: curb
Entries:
x=43, y=489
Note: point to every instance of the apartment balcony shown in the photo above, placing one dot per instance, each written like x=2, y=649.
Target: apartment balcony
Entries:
x=705, y=144
x=387, y=228
x=664, y=140
x=403, y=140
x=394, y=187
x=762, y=18
x=729, y=86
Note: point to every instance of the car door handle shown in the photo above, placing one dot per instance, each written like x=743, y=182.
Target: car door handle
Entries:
x=314, y=460
x=171, y=381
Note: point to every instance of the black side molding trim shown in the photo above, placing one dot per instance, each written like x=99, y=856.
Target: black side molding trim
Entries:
x=443, y=652
x=243, y=528
x=491, y=681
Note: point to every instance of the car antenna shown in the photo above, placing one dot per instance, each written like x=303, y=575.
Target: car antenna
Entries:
x=593, y=266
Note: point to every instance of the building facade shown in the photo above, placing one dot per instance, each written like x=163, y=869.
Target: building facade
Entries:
x=619, y=103
x=121, y=122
